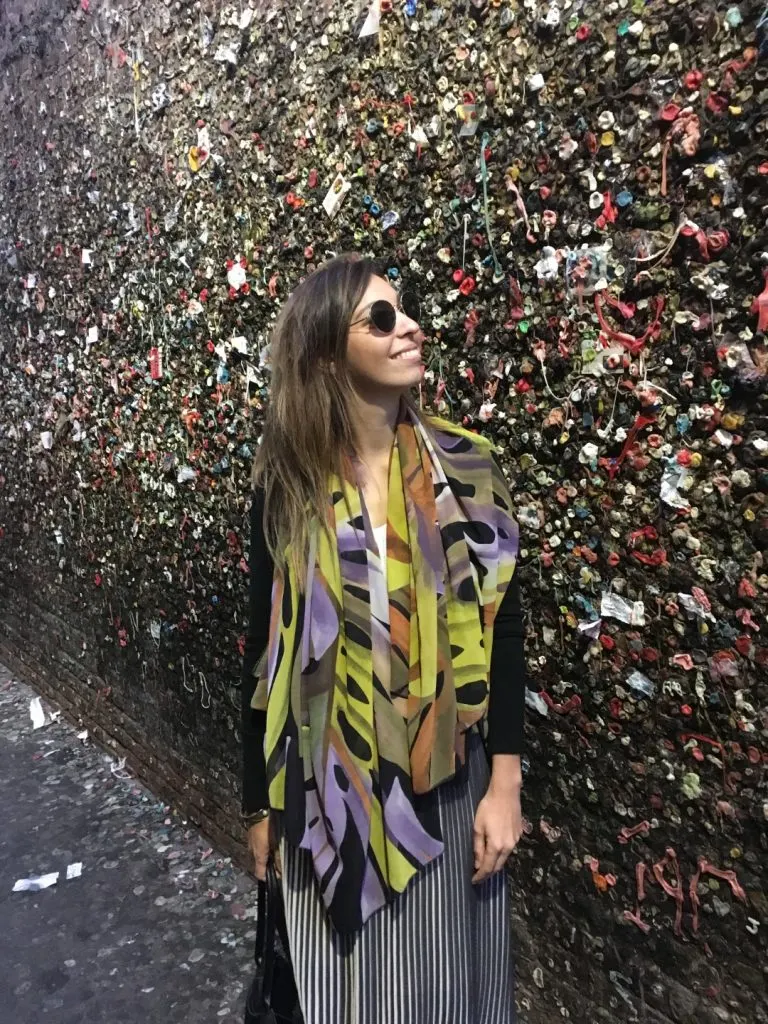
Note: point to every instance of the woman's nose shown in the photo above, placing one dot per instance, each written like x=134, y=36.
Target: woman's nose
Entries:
x=406, y=325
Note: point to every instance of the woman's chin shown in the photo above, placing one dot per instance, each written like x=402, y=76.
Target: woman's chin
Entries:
x=404, y=379
x=411, y=375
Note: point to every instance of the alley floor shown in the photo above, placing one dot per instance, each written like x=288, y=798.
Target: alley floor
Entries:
x=156, y=927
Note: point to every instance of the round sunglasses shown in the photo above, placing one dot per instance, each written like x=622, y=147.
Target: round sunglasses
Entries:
x=383, y=315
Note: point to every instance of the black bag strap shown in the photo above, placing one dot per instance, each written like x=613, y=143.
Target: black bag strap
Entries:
x=264, y=953
x=270, y=922
x=281, y=926
x=261, y=923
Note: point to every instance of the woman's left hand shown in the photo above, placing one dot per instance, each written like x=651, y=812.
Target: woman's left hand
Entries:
x=497, y=830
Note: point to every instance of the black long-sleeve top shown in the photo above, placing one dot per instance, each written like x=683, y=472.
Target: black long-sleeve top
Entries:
x=506, y=701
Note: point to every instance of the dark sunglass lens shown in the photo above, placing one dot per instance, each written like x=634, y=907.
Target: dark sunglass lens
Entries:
x=383, y=316
x=410, y=306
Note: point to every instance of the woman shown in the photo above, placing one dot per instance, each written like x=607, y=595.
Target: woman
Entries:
x=392, y=640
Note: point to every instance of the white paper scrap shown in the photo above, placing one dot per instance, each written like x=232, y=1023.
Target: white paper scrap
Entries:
x=470, y=119
x=236, y=276
x=536, y=701
x=35, y=884
x=74, y=870
x=591, y=629
x=36, y=713
x=640, y=683
x=673, y=477
x=371, y=25
x=694, y=607
x=615, y=607
x=535, y=82
x=335, y=195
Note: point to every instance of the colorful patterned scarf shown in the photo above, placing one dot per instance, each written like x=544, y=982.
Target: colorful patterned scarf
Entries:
x=365, y=714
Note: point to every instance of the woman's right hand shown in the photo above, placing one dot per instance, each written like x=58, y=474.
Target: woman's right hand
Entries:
x=260, y=843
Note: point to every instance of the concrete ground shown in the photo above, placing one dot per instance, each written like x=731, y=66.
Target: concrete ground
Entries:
x=157, y=928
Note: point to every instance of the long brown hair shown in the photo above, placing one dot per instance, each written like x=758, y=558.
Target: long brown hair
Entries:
x=307, y=430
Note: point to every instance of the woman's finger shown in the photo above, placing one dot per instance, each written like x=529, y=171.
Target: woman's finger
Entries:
x=478, y=844
x=486, y=865
x=501, y=861
x=274, y=847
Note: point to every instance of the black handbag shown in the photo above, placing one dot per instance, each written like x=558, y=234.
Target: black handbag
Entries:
x=272, y=997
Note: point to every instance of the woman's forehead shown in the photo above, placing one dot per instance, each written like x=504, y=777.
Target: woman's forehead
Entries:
x=378, y=288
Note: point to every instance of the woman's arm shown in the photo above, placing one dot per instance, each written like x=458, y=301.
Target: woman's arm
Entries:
x=499, y=821
x=255, y=790
x=506, y=699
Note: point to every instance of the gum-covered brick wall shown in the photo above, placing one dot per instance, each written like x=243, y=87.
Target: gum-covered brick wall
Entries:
x=579, y=192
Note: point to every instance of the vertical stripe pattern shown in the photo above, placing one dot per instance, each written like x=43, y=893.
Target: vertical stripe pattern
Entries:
x=440, y=953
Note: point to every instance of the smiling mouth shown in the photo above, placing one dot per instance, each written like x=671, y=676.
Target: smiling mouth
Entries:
x=407, y=355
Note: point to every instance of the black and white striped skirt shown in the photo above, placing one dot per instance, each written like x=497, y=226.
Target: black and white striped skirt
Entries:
x=441, y=953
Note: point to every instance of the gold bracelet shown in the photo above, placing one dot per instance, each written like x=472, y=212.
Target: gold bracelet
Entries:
x=254, y=817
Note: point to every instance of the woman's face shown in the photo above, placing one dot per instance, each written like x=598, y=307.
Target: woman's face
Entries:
x=379, y=359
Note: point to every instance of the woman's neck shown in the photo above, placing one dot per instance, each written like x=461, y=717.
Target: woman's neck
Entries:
x=374, y=421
